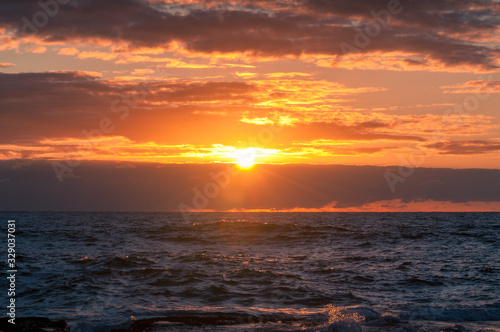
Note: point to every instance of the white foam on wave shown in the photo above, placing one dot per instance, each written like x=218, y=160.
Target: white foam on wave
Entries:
x=359, y=318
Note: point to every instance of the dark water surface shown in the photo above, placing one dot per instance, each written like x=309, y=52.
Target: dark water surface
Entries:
x=261, y=271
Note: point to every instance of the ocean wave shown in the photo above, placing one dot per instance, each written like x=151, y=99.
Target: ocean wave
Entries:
x=479, y=314
x=97, y=267
x=414, y=281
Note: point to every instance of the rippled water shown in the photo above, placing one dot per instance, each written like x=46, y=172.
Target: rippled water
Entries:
x=274, y=271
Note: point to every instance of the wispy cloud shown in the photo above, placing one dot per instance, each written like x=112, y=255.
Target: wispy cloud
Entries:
x=466, y=147
x=472, y=87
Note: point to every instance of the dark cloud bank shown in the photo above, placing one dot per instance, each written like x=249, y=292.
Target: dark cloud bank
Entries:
x=266, y=28
x=111, y=186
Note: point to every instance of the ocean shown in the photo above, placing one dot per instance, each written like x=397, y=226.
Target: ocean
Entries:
x=258, y=271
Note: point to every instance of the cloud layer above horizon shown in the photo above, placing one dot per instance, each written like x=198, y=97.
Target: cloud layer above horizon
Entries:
x=113, y=186
x=365, y=82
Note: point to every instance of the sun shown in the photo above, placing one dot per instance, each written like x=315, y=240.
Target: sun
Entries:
x=245, y=159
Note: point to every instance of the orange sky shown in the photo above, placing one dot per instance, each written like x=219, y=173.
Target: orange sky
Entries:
x=299, y=81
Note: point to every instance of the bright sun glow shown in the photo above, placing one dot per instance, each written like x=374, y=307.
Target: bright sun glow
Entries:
x=245, y=158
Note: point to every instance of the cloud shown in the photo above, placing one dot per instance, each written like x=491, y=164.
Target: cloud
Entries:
x=39, y=50
x=390, y=60
x=427, y=30
x=119, y=148
x=466, y=147
x=6, y=64
x=164, y=62
x=87, y=54
x=481, y=87
x=338, y=131
x=63, y=104
x=458, y=16
x=331, y=148
x=96, y=55
x=102, y=186
x=68, y=51
x=186, y=118
x=396, y=205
